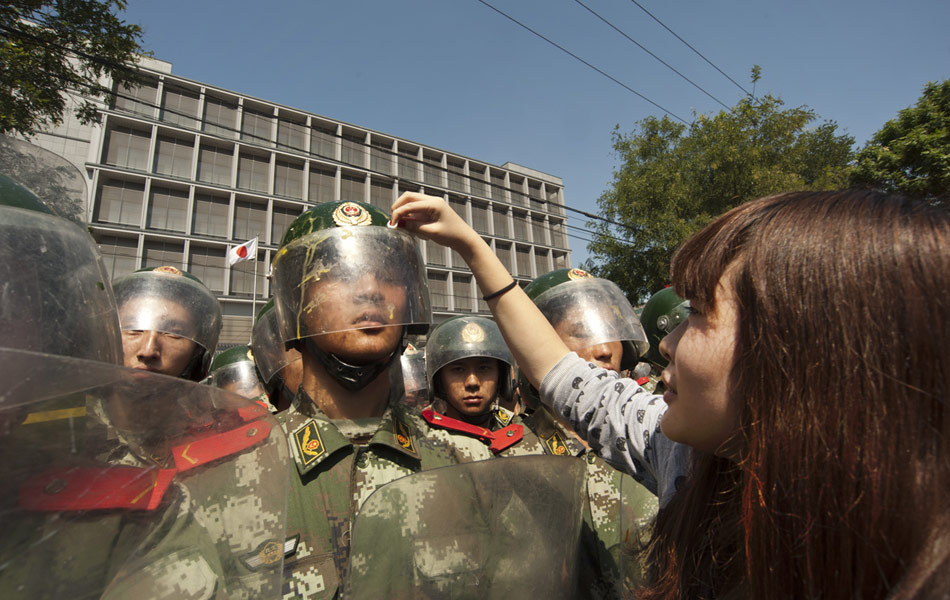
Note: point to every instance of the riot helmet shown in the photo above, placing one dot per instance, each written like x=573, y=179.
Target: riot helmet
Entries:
x=588, y=311
x=661, y=315
x=468, y=337
x=234, y=370
x=174, y=303
x=340, y=269
x=270, y=353
x=55, y=295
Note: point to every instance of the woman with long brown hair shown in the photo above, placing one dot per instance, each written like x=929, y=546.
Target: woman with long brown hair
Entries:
x=811, y=381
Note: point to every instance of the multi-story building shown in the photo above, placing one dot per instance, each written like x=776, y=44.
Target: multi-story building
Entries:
x=180, y=171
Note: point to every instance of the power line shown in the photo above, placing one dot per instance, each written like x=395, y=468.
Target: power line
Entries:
x=578, y=58
x=700, y=54
x=642, y=47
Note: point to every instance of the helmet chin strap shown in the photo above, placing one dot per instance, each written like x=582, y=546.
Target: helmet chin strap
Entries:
x=352, y=377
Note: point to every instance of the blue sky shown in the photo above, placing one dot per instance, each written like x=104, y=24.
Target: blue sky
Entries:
x=457, y=75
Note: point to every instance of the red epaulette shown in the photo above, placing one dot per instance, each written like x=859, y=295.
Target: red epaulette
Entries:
x=643, y=380
x=96, y=488
x=497, y=440
x=218, y=445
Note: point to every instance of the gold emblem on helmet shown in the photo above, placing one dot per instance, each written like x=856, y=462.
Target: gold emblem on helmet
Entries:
x=578, y=274
x=473, y=333
x=350, y=213
x=167, y=270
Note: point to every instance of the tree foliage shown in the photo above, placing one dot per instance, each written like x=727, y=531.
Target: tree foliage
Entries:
x=911, y=154
x=50, y=47
x=673, y=179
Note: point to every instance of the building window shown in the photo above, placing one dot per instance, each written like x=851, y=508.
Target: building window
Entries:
x=214, y=164
x=288, y=179
x=476, y=180
x=503, y=252
x=408, y=162
x=537, y=230
x=120, y=202
x=352, y=187
x=480, y=216
x=257, y=127
x=322, y=184
x=242, y=277
x=456, y=174
x=517, y=191
x=432, y=168
x=381, y=155
x=554, y=197
x=557, y=233
x=521, y=225
x=140, y=99
x=167, y=209
x=435, y=254
x=158, y=253
x=291, y=134
x=560, y=260
x=534, y=192
x=353, y=150
x=381, y=194
x=127, y=147
x=438, y=290
x=249, y=220
x=252, y=172
x=220, y=117
x=119, y=255
x=180, y=106
x=458, y=205
x=499, y=215
x=211, y=215
x=541, y=261
x=407, y=187
x=498, y=186
x=207, y=264
x=173, y=156
x=462, y=289
x=281, y=219
x=323, y=141
x=523, y=258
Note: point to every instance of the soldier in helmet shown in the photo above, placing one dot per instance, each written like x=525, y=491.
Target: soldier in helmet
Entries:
x=234, y=370
x=661, y=314
x=116, y=483
x=170, y=322
x=348, y=292
x=280, y=366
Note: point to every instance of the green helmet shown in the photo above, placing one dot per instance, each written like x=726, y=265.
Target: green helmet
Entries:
x=173, y=301
x=339, y=268
x=234, y=370
x=661, y=314
x=270, y=353
x=464, y=337
x=55, y=295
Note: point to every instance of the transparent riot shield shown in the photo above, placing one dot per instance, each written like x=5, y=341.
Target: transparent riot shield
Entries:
x=56, y=181
x=126, y=484
x=506, y=528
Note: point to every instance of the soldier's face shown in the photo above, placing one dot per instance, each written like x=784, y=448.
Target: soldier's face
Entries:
x=362, y=316
x=577, y=336
x=167, y=352
x=469, y=385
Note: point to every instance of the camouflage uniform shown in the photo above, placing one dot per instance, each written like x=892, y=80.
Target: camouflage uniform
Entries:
x=333, y=477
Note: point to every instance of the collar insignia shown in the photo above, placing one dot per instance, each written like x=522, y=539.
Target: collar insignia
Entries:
x=556, y=444
x=309, y=443
x=403, y=436
x=502, y=416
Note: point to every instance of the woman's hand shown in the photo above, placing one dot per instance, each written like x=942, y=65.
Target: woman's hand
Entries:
x=430, y=217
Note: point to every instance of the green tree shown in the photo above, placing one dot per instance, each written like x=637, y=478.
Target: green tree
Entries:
x=48, y=47
x=673, y=179
x=911, y=154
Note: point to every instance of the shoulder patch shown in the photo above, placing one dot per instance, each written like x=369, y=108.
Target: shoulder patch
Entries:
x=309, y=443
x=556, y=444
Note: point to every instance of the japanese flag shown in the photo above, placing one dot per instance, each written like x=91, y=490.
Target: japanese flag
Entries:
x=246, y=251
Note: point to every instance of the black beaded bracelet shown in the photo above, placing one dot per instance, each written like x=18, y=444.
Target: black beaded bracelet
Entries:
x=503, y=290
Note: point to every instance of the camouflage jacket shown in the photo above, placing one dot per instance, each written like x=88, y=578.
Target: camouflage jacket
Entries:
x=332, y=477
x=618, y=512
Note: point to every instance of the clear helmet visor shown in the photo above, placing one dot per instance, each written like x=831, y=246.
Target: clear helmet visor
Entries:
x=349, y=278
x=270, y=352
x=170, y=303
x=239, y=378
x=55, y=295
x=465, y=337
x=592, y=311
